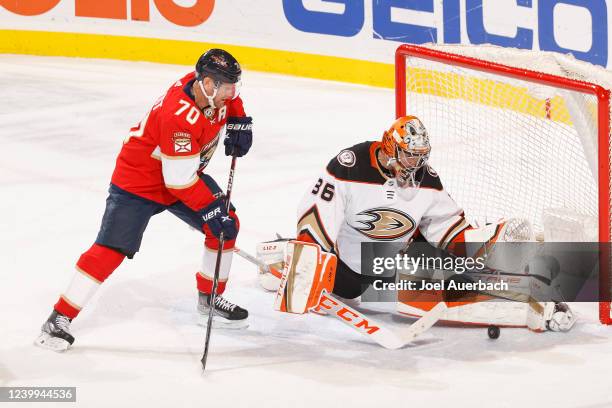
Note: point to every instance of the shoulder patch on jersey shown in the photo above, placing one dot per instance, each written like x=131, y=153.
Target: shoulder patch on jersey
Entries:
x=346, y=158
x=430, y=178
x=353, y=164
x=431, y=171
x=182, y=142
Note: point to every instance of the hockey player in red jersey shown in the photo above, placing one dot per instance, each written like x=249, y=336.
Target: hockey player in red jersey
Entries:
x=386, y=191
x=161, y=167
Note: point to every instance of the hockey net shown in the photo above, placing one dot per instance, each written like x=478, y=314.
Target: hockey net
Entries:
x=517, y=133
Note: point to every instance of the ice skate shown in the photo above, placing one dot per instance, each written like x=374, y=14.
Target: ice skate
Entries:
x=55, y=333
x=227, y=314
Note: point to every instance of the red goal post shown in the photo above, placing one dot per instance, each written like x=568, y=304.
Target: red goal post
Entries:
x=461, y=89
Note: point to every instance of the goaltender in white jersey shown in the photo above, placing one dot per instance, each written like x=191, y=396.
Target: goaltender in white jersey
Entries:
x=380, y=191
x=387, y=191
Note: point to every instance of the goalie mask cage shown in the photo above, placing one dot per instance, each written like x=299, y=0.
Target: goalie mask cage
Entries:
x=509, y=141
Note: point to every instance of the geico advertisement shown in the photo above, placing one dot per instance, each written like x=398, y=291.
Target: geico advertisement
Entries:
x=362, y=29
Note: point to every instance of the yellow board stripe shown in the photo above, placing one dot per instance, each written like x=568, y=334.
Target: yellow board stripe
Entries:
x=269, y=60
x=486, y=92
x=186, y=52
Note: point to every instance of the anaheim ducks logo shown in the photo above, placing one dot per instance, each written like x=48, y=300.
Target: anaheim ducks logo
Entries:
x=431, y=171
x=385, y=224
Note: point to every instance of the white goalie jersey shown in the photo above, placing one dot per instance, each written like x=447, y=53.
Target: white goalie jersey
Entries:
x=355, y=200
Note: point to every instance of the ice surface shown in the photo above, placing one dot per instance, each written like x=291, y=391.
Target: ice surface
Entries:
x=62, y=122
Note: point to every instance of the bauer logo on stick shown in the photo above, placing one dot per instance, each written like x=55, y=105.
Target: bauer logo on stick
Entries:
x=347, y=158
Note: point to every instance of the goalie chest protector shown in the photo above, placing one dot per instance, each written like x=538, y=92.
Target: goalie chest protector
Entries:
x=368, y=206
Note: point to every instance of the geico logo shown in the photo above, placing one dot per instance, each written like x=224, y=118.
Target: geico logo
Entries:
x=347, y=315
x=482, y=23
x=190, y=16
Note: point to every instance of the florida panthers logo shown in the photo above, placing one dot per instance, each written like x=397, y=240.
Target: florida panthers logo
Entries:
x=207, y=152
x=385, y=224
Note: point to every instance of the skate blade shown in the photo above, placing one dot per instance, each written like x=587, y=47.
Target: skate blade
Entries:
x=220, y=323
x=52, y=343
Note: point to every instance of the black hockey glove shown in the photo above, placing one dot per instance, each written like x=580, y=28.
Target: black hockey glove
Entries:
x=238, y=135
x=218, y=220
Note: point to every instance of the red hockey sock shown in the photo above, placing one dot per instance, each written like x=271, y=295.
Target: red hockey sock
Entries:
x=66, y=308
x=205, y=284
x=99, y=262
x=94, y=266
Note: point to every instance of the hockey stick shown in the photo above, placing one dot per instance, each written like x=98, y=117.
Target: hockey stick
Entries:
x=213, y=294
x=389, y=339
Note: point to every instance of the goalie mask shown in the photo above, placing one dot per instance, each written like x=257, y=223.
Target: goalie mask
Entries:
x=406, y=148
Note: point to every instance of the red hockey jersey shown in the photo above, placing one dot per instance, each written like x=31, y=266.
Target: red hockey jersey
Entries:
x=161, y=157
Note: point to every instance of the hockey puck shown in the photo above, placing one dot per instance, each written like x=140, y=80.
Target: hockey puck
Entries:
x=493, y=332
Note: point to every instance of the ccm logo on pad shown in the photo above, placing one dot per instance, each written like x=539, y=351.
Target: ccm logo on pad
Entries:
x=331, y=306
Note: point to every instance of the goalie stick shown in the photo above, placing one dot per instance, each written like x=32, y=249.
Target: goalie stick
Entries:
x=386, y=337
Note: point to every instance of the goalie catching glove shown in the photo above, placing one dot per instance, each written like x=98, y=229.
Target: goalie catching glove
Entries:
x=515, y=262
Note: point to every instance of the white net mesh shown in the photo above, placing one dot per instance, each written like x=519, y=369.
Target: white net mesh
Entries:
x=508, y=147
x=511, y=148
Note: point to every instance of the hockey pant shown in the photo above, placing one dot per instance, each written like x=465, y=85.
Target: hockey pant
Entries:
x=124, y=222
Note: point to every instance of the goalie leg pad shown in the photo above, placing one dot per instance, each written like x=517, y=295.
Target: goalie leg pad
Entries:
x=307, y=272
x=516, y=307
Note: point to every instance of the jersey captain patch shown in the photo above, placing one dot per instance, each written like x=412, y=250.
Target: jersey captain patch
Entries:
x=384, y=224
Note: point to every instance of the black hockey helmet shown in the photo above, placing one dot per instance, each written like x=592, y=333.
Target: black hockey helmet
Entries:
x=219, y=65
